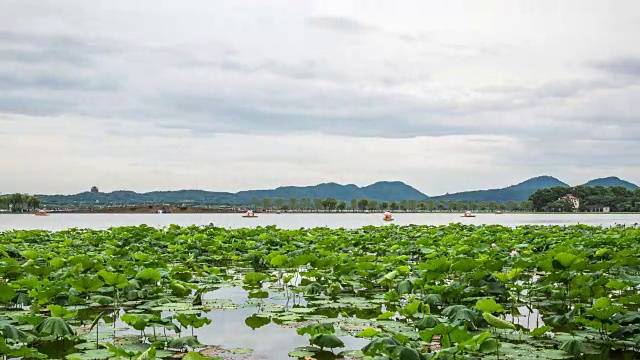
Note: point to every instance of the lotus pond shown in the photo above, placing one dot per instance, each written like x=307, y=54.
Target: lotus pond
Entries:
x=391, y=292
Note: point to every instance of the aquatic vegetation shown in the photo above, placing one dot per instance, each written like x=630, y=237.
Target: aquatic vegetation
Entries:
x=393, y=292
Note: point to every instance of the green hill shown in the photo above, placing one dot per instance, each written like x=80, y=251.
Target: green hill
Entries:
x=610, y=182
x=518, y=192
x=380, y=191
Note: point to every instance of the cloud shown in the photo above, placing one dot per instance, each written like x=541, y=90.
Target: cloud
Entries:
x=341, y=24
x=332, y=92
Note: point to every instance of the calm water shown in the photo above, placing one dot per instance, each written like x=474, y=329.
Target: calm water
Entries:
x=295, y=221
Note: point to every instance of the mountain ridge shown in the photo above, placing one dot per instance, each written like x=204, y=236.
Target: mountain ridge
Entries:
x=379, y=191
x=611, y=181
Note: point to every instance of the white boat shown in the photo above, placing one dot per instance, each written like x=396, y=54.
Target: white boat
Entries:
x=42, y=213
x=387, y=216
x=468, y=214
x=249, y=214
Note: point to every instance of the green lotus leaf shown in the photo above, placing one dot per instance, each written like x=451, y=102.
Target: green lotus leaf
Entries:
x=489, y=305
x=6, y=293
x=149, y=276
x=180, y=342
x=192, y=355
x=368, y=333
x=326, y=341
x=55, y=326
x=322, y=328
x=497, y=322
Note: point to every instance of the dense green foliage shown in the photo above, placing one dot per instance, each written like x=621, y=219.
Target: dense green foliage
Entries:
x=617, y=198
x=19, y=202
x=413, y=292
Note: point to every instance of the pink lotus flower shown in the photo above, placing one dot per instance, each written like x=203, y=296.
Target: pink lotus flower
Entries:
x=513, y=253
x=493, y=245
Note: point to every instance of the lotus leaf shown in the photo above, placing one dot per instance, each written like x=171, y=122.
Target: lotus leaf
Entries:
x=497, y=322
x=326, y=341
x=55, y=326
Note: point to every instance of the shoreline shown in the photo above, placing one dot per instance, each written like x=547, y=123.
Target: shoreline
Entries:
x=203, y=211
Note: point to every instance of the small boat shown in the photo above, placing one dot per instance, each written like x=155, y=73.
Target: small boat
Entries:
x=468, y=214
x=387, y=216
x=499, y=212
x=42, y=213
x=249, y=214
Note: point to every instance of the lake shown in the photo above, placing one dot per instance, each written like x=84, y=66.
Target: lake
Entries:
x=296, y=221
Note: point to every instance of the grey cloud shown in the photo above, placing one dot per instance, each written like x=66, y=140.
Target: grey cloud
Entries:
x=15, y=81
x=51, y=49
x=304, y=70
x=340, y=24
x=33, y=105
x=629, y=66
x=352, y=26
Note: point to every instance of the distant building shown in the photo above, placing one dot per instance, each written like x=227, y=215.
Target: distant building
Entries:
x=94, y=189
x=574, y=201
x=599, y=208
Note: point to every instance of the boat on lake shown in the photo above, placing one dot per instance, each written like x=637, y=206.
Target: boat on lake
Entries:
x=468, y=214
x=249, y=214
x=42, y=213
x=387, y=216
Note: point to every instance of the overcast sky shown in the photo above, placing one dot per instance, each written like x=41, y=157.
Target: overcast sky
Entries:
x=231, y=95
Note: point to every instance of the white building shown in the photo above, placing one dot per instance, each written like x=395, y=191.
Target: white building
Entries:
x=574, y=201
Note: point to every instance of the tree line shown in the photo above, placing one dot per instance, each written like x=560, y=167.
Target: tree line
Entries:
x=19, y=202
x=331, y=204
x=617, y=198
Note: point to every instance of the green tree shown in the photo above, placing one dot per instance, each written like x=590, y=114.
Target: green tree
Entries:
x=526, y=205
x=255, y=202
x=304, y=204
x=403, y=205
x=473, y=206
x=483, y=206
x=431, y=205
x=492, y=206
x=512, y=205
x=17, y=202
x=329, y=204
x=442, y=205
x=373, y=205
x=32, y=203
x=422, y=205
x=342, y=205
x=354, y=204
x=459, y=205
x=293, y=204
x=384, y=205
x=451, y=205
x=413, y=205
x=266, y=203
x=393, y=206
x=317, y=204
x=279, y=202
x=362, y=204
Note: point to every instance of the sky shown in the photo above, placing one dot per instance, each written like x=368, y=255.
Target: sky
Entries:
x=445, y=95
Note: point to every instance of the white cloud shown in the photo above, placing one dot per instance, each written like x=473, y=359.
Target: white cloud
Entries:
x=229, y=95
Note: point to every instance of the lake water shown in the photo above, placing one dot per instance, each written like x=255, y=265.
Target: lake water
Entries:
x=296, y=221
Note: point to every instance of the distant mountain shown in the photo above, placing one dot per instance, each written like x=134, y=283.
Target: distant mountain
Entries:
x=519, y=192
x=610, y=182
x=380, y=191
